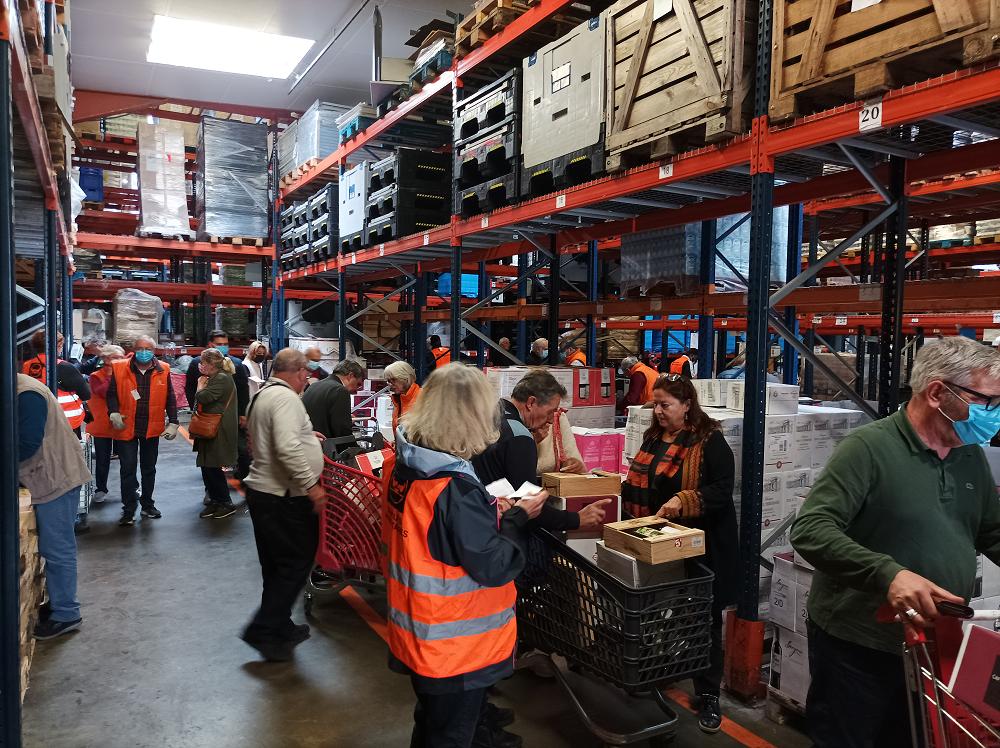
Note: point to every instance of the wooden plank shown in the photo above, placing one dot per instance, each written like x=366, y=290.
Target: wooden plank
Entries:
x=639, y=50
x=954, y=15
x=665, y=28
x=609, y=83
x=704, y=65
x=818, y=37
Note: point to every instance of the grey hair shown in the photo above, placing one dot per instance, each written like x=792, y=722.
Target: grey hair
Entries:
x=539, y=384
x=402, y=371
x=146, y=337
x=288, y=360
x=347, y=367
x=629, y=362
x=537, y=345
x=953, y=359
x=111, y=350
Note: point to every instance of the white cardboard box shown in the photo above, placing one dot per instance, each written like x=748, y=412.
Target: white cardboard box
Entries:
x=709, y=392
x=801, y=607
x=779, y=444
x=782, y=596
x=782, y=399
x=794, y=664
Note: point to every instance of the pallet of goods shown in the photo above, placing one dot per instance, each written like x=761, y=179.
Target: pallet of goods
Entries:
x=490, y=17
x=32, y=583
x=680, y=76
x=832, y=52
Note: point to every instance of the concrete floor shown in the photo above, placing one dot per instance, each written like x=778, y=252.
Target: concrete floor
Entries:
x=157, y=662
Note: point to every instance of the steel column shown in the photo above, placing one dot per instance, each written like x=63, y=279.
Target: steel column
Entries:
x=859, y=362
x=420, y=327
x=706, y=322
x=807, y=370
x=592, y=260
x=483, y=327
x=891, y=339
x=523, y=345
x=456, y=303
x=866, y=244
x=925, y=239
x=721, y=350
x=555, y=288
x=793, y=266
x=52, y=261
x=10, y=547
x=813, y=244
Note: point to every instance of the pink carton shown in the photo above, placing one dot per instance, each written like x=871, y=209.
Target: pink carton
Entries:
x=590, y=445
x=611, y=452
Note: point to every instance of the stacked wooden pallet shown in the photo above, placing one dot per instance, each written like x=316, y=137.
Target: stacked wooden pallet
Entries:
x=490, y=17
x=245, y=241
x=32, y=584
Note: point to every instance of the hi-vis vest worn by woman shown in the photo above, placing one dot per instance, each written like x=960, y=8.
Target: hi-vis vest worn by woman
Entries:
x=70, y=402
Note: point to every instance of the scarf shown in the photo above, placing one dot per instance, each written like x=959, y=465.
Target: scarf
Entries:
x=558, y=448
x=637, y=491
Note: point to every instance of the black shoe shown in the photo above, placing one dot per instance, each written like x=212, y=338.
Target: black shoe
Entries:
x=128, y=518
x=51, y=629
x=498, y=716
x=208, y=511
x=300, y=634
x=282, y=652
x=710, y=714
x=82, y=526
x=491, y=736
x=224, y=510
x=152, y=512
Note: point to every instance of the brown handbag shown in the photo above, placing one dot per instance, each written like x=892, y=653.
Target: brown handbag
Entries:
x=206, y=425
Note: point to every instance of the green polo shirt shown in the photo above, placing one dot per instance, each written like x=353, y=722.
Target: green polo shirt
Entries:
x=884, y=503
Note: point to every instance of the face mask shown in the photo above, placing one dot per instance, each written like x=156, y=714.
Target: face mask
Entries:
x=201, y=368
x=223, y=349
x=144, y=356
x=313, y=365
x=981, y=425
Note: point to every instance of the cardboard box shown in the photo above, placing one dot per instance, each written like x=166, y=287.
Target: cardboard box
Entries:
x=783, y=588
x=794, y=664
x=640, y=418
x=781, y=399
x=585, y=386
x=566, y=376
x=797, y=486
x=590, y=442
x=611, y=450
x=801, y=607
x=634, y=572
x=606, y=391
x=586, y=547
x=598, y=483
x=503, y=378
x=779, y=443
x=672, y=543
x=991, y=579
x=709, y=392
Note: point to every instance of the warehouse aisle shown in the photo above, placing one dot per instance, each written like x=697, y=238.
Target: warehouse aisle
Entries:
x=157, y=662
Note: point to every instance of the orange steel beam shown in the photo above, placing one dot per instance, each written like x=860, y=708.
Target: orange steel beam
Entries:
x=91, y=105
x=171, y=248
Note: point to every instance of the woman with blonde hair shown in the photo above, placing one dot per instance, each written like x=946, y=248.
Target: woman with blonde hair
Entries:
x=449, y=563
x=402, y=381
x=256, y=355
x=216, y=395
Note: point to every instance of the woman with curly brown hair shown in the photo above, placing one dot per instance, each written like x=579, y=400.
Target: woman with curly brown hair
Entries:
x=685, y=470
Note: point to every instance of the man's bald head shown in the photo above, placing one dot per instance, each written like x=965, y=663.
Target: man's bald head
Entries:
x=314, y=354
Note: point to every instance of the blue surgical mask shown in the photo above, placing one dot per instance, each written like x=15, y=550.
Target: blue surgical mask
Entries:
x=223, y=349
x=144, y=356
x=313, y=365
x=981, y=425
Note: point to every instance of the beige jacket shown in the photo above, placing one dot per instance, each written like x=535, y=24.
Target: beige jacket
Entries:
x=58, y=466
x=287, y=456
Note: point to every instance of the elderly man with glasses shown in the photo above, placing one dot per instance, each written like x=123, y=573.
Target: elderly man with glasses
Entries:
x=897, y=516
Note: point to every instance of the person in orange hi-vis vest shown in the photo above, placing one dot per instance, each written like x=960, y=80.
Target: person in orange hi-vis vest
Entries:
x=402, y=381
x=140, y=401
x=72, y=387
x=437, y=355
x=574, y=356
x=100, y=429
x=641, y=381
x=682, y=364
x=449, y=562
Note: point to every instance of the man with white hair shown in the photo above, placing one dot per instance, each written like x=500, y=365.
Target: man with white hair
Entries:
x=897, y=516
x=640, y=385
x=539, y=352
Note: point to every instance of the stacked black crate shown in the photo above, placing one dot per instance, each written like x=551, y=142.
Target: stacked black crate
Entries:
x=323, y=223
x=487, y=147
x=353, y=199
x=300, y=234
x=409, y=192
x=286, y=257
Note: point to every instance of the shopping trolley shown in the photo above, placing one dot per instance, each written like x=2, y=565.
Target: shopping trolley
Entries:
x=88, y=489
x=638, y=640
x=350, y=531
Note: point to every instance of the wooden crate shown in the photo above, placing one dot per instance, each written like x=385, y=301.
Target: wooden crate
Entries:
x=824, y=55
x=679, y=80
x=675, y=542
x=491, y=17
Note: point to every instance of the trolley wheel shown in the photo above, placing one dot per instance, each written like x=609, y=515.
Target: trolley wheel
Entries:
x=307, y=605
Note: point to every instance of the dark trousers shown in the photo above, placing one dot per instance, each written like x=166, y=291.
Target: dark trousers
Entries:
x=103, y=446
x=446, y=720
x=858, y=696
x=216, y=485
x=287, y=534
x=708, y=683
x=244, y=459
x=142, y=454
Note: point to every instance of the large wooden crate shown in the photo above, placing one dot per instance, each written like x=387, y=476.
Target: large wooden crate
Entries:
x=682, y=76
x=825, y=55
x=32, y=583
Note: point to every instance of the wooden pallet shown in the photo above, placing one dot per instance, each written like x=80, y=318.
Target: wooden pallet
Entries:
x=679, y=80
x=780, y=708
x=297, y=172
x=90, y=205
x=237, y=241
x=824, y=57
x=986, y=240
x=490, y=17
x=167, y=237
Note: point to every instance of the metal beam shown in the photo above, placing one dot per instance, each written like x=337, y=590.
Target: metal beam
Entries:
x=960, y=124
x=516, y=282
x=456, y=303
x=891, y=339
x=866, y=172
x=491, y=344
x=375, y=343
x=52, y=263
x=592, y=260
x=368, y=309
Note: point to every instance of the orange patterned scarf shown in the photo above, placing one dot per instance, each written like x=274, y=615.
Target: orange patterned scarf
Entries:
x=637, y=490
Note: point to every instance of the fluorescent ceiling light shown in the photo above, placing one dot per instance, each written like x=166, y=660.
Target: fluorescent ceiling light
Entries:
x=226, y=49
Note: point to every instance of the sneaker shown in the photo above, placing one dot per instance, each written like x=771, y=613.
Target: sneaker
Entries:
x=51, y=629
x=151, y=512
x=710, y=714
x=224, y=510
x=208, y=511
x=207, y=501
x=100, y=496
x=82, y=525
x=498, y=716
x=491, y=736
x=128, y=518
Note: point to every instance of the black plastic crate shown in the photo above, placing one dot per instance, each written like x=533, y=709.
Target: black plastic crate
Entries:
x=354, y=241
x=396, y=198
x=300, y=236
x=286, y=260
x=404, y=223
x=488, y=107
x=637, y=638
x=572, y=169
x=486, y=197
x=324, y=248
x=412, y=168
x=287, y=216
x=300, y=214
x=325, y=225
x=492, y=155
x=324, y=202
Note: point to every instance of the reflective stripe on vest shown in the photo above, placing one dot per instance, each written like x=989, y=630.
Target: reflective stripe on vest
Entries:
x=70, y=402
x=435, y=632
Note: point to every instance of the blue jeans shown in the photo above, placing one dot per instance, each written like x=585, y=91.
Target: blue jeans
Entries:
x=57, y=545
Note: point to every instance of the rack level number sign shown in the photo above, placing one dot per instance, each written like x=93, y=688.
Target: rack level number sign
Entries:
x=870, y=117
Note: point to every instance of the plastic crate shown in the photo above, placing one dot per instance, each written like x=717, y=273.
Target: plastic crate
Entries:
x=488, y=196
x=395, y=198
x=404, y=223
x=92, y=182
x=492, y=155
x=636, y=638
x=324, y=202
x=412, y=168
x=488, y=106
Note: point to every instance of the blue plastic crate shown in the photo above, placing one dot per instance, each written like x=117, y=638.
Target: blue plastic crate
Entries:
x=92, y=182
x=470, y=284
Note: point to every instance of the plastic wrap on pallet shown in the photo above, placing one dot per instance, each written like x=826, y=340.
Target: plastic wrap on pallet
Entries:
x=233, y=275
x=136, y=313
x=231, y=188
x=163, y=207
x=234, y=321
x=287, y=157
x=87, y=260
x=318, y=132
x=672, y=256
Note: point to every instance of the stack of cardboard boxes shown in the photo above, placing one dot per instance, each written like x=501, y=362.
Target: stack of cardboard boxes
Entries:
x=32, y=583
x=590, y=392
x=789, y=597
x=573, y=493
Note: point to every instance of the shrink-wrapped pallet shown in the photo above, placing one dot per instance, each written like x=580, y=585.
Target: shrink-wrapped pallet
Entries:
x=231, y=188
x=163, y=207
x=136, y=313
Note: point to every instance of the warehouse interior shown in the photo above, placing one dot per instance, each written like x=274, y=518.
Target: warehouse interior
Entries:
x=777, y=202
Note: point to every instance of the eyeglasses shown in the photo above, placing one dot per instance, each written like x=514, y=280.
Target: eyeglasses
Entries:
x=991, y=401
x=671, y=377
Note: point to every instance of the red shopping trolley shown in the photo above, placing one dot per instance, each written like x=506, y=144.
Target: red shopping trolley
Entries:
x=350, y=531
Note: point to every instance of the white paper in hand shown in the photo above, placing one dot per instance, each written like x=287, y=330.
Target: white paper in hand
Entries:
x=527, y=489
x=500, y=488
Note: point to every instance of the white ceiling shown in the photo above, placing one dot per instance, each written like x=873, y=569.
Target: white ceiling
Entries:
x=109, y=39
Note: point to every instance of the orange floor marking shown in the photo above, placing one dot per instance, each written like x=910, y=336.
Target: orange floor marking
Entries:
x=184, y=432
x=729, y=727
x=366, y=611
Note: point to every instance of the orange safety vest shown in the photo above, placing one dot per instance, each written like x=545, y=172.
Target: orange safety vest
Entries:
x=576, y=355
x=71, y=403
x=403, y=403
x=441, y=357
x=101, y=425
x=651, y=377
x=442, y=622
x=128, y=405
x=677, y=365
